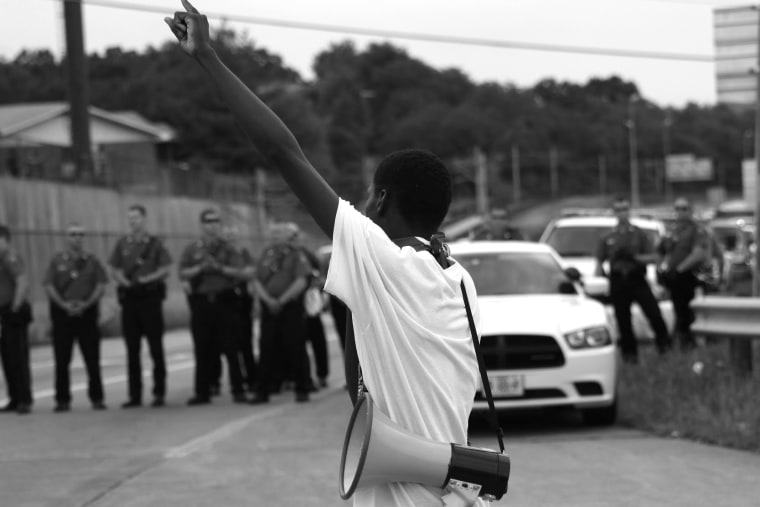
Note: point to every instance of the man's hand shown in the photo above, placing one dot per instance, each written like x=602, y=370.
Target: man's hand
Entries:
x=75, y=308
x=190, y=28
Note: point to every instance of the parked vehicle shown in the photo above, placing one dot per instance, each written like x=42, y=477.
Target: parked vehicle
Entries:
x=544, y=342
x=576, y=239
x=736, y=237
x=576, y=236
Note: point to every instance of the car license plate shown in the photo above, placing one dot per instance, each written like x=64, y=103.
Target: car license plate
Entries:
x=507, y=385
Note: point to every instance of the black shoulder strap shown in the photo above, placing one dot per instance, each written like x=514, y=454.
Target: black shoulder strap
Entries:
x=494, y=419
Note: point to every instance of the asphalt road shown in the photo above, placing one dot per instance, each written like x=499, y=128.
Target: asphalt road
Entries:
x=288, y=454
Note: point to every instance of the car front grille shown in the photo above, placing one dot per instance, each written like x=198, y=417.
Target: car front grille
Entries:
x=519, y=352
x=530, y=394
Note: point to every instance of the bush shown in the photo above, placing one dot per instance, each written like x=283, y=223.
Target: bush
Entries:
x=694, y=395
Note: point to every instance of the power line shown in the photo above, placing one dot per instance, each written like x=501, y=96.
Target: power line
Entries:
x=424, y=37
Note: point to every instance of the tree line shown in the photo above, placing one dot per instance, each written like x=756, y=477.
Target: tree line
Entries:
x=363, y=104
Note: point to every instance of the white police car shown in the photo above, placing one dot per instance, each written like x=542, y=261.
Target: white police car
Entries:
x=544, y=342
x=576, y=238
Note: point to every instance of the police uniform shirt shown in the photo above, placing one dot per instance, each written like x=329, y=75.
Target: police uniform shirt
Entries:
x=139, y=255
x=11, y=267
x=247, y=261
x=224, y=253
x=75, y=277
x=623, y=238
x=280, y=265
x=684, y=236
x=246, y=255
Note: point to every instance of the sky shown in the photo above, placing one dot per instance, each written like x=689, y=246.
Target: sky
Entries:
x=682, y=28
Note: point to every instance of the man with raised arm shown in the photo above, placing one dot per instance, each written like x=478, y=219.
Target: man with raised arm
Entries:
x=412, y=337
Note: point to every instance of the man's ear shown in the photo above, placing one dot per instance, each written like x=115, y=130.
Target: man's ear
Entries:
x=383, y=202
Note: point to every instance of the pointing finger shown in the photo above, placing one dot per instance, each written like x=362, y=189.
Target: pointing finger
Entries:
x=189, y=7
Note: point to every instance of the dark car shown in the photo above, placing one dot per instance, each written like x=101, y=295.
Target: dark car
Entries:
x=736, y=237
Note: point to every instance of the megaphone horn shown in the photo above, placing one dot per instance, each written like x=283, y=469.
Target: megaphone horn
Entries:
x=378, y=451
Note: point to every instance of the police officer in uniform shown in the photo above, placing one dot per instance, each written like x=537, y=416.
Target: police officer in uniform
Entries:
x=244, y=335
x=683, y=251
x=15, y=315
x=628, y=251
x=211, y=266
x=75, y=282
x=281, y=279
x=315, y=332
x=140, y=264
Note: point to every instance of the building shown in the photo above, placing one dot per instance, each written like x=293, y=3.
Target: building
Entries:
x=127, y=150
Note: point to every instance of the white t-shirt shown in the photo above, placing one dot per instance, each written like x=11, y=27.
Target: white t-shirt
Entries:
x=412, y=338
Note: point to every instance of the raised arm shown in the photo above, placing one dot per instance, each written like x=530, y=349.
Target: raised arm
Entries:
x=265, y=129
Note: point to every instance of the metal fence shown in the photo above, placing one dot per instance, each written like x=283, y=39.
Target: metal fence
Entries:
x=733, y=318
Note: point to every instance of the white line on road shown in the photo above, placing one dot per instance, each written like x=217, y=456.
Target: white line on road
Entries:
x=229, y=429
x=115, y=379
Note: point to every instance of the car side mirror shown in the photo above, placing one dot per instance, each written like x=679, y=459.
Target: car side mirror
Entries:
x=573, y=274
x=567, y=287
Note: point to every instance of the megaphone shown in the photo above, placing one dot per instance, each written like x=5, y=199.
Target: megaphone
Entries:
x=378, y=451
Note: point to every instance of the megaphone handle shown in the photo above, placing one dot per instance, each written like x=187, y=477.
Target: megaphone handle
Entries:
x=460, y=494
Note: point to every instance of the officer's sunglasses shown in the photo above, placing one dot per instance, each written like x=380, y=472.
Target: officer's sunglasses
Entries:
x=681, y=208
x=76, y=234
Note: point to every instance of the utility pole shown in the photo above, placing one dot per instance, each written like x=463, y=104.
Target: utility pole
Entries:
x=553, y=171
x=756, y=270
x=261, y=207
x=79, y=90
x=602, y=175
x=631, y=124
x=516, y=184
x=666, y=124
x=481, y=181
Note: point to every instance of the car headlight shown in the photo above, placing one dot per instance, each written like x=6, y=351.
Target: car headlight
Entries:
x=589, y=338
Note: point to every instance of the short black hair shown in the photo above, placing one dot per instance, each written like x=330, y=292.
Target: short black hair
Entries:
x=5, y=232
x=139, y=208
x=620, y=198
x=420, y=184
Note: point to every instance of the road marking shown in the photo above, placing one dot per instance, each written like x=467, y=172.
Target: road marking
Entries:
x=205, y=441
x=115, y=379
x=221, y=433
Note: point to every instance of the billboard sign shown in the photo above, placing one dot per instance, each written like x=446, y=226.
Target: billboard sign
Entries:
x=736, y=54
x=686, y=167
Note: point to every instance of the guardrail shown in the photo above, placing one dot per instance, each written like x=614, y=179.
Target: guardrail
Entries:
x=734, y=318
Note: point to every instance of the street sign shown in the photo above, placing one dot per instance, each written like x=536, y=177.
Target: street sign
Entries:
x=736, y=46
x=686, y=167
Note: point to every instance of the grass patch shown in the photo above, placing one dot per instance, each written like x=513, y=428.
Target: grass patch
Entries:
x=695, y=395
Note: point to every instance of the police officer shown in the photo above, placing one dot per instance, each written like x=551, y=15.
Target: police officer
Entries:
x=15, y=315
x=628, y=251
x=75, y=282
x=683, y=251
x=315, y=332
x=243, y=332
x=211, y=267
x=281, y=279
x=140, y=264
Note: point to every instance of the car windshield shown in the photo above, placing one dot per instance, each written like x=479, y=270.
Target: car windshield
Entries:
x=577, y=241
x=508, y=273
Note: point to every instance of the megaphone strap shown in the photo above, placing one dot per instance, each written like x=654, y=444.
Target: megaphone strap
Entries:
x=493, y=418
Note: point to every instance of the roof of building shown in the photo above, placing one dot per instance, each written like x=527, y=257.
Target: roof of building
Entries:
x=48, y=123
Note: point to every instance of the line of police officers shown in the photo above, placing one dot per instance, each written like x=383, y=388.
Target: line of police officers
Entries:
x=680, y=254
x=215, y=271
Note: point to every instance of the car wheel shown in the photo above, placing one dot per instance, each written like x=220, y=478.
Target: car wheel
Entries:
x=601, y=416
